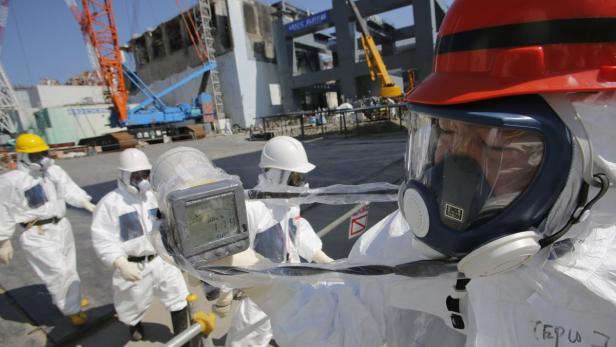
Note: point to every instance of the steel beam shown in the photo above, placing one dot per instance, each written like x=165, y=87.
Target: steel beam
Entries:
x=366, y=8
x=401, y=60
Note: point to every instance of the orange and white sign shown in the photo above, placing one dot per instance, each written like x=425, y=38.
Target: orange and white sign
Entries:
x=358, y=222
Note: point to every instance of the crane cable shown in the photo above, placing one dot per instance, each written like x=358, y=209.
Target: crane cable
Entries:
x=193, y=32
x=13, y=13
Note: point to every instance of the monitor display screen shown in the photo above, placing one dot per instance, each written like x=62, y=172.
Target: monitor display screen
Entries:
x=212, y=218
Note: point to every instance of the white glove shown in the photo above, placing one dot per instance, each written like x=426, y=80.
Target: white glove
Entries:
x=88, y=205
x=268, y=297
x=6, y=252
x=242, y=259
x=129, y=271
x=321, y=258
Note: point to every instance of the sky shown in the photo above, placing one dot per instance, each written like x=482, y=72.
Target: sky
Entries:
x=42, y=39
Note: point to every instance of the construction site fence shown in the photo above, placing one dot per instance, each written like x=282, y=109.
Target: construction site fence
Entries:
x=305, y=124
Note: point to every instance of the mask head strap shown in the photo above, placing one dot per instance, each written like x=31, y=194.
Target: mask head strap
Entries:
x=583, y=209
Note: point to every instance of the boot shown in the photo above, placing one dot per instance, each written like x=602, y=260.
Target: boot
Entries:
x=136, y=332
x=180, y=321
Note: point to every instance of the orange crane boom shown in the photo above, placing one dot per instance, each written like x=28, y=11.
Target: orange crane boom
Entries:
x=99, y=24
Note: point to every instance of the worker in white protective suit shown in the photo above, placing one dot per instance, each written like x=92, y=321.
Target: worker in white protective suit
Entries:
x=284, y=164
x=121, y=222
x=34, y=196
x=508, y=168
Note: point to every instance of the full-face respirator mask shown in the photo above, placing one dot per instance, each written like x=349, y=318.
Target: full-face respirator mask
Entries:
x=482, y=178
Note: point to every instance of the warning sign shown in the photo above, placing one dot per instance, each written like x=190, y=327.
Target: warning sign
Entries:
x=358, y=222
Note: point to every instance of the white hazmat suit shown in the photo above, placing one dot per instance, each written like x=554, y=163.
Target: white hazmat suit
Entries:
x=291, y=239
x=29, y=196
x=250, y=326
x=120, y=227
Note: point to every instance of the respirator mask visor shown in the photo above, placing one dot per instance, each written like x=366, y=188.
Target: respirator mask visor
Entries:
x=473, y=171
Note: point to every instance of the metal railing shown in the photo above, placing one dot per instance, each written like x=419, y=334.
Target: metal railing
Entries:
x=314, y=123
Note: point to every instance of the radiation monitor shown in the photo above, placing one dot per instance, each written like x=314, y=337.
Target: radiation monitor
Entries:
x=209, y=221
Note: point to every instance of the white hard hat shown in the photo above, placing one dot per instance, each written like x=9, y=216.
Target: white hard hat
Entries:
x=132, y=160
x=285, y=153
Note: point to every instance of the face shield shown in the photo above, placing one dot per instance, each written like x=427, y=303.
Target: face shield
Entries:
x=482, y=171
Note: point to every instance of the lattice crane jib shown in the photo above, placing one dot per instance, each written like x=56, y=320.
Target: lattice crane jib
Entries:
x=8, y=101
x=8, y=105
x=99, y=24
x=208, y=38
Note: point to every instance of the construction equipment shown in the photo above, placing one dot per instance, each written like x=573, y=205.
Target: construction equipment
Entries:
x=8, y=101
x=373, y=58
x=98, y=22
x=151, y=120
x=208, y=39
x=8, y=105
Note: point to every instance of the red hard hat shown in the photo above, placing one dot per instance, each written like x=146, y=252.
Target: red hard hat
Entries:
x=488, y=49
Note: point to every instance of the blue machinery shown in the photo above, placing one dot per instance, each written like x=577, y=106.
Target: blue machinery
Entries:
x=154, y=111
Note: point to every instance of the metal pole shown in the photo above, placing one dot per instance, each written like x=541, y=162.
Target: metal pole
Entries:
x=321, y=118
x=344, y=122
x=331, y=226
x=264, y=125
x=185, y=336
x=301, y=121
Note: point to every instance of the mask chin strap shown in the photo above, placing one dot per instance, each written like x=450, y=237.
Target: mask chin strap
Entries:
x=583, y=209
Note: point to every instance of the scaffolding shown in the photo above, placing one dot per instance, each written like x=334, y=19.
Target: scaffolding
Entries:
x=206, y=29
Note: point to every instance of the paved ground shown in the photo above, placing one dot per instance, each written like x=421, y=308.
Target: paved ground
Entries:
x=27, y=317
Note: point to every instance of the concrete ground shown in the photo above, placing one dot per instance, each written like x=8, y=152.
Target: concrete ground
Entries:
x=27, y=317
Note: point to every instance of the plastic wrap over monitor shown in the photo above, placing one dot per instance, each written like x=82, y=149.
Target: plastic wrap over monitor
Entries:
x=183, y=167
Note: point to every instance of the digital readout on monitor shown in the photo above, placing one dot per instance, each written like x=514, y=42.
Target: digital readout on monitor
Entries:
x=212, y=218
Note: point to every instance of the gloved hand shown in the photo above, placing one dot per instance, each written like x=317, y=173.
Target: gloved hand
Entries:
x=6, y=252
x=242, y=259
x=88, y=205
x=321, y=258
x=129, y=271
x=268, y=297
